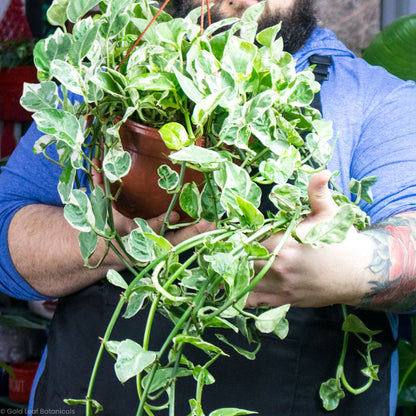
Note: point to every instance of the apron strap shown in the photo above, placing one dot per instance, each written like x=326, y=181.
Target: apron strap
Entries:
x=321, y=71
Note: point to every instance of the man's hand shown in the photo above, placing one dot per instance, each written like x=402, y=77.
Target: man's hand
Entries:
x=125, y=225
x=314, y=277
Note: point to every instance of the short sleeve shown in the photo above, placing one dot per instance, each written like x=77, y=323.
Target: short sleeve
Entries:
x=387, y=149
x=27, y=178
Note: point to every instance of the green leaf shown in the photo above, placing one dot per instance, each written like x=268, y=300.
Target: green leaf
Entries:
x=231, y=411
x=354, y=324
x=269, y=320
x=86, y=402
x=39, y=96
x=164, y=376
x=173, y=32
x=282, y=329
x=256, y=250
x=250, y=355
x=257, y=106
x=20, y=321
x=302, y=94
x=80, y=48
x=407, y=374
x=331, y=393
x=77, y=9
x=88, y=242
x=175, y=136
x=47, y=50
x=7, y=368
x=116, y=279
x=211, y=195
x=205, y=107
x=63, y=125
x=371, y=372
x=116, y=164
x=56, y=13
x=203, y=375
x=394, y=48
x=238, y=278
x=111, y=82
x=136, y=302
x=132, y=359
x=99, y=208
x=190, y=200
x=140, y=247
x=198, y=156
x=249, y=215
x=239, y=58
x=221, y=262
x=333, y=230
x=188, y=87
x=252, y=14
x=363, y=188
x=279, y=171
x=199, y=343
x=169, y=179
x=159, y=81
x=78, y=211
x=286, y=197
x=114, y=25
x=267, y=36
x=161, y=244
x=66, y=182
x=235, y=181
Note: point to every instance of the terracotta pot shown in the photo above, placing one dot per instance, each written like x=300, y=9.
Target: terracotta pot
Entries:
x=20, y=386
x=11, y=87
x=141, y=195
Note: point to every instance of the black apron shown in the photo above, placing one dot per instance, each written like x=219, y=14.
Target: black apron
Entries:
x=284, y=379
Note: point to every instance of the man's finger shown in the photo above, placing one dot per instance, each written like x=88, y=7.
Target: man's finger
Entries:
x=320, y=197
x=175, y=237
x=157, y=222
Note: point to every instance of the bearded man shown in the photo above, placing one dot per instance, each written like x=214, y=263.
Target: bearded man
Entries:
x=371, y=271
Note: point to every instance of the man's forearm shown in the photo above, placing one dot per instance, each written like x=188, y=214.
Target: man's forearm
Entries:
x=45, y=251
x=393, y=264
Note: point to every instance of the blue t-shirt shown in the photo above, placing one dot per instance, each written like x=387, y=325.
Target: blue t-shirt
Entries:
x=374, y=125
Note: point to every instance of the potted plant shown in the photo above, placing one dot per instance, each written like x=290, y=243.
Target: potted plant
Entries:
x=228, y=86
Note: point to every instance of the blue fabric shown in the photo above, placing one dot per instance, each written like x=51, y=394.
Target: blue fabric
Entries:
x=375, y=129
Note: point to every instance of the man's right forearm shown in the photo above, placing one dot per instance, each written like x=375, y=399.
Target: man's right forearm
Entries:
x=45, y=251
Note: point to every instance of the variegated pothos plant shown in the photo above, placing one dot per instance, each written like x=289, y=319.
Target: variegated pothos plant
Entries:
x=239, y=89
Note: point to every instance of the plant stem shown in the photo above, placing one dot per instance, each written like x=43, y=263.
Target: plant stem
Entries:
x=340, y=369
x=106, y=337
x=262, y=272
x=178, y=249
x=174, y=199
x=142, y=34
x=175, y=330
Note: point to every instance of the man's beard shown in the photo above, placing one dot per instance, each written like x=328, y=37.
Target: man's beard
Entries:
x=297, y=23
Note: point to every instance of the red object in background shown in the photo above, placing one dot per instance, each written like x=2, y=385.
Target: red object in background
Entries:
x=21, y=384
x=11, y=88
x=14, y=24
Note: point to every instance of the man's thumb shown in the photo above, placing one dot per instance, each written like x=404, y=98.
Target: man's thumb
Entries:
x=320, y=197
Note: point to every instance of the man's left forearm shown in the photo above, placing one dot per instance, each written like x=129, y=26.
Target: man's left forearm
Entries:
x=393, y=264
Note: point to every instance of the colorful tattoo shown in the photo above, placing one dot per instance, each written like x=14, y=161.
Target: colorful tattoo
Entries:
x=394, y=263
